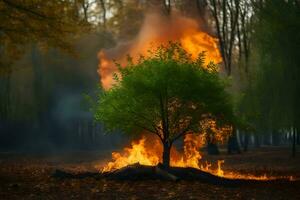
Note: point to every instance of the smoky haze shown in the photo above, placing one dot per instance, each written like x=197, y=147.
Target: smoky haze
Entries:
x=159, y=29
x=49, y=112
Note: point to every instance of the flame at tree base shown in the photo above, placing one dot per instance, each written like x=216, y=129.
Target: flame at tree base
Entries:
x=148, y=152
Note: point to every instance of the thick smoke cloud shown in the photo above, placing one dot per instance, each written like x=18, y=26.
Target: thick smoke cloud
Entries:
x=158, y=29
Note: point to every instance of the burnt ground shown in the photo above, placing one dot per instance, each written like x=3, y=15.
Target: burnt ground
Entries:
x=29, y=177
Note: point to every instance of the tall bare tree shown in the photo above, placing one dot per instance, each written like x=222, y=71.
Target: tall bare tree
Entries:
x=225, y=15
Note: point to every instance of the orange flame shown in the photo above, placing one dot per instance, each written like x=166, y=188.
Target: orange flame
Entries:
x=138, y=153
x=148, y=152
x=155, y=31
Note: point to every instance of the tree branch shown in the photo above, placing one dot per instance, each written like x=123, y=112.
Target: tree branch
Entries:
x=22, y=8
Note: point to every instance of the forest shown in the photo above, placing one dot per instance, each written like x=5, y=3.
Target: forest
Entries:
x=226, y=75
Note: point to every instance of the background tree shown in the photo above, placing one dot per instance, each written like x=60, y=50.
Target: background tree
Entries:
x=45, y=23
x=31, y=34
x=167, y=94
x=277, y=68
x=48, y=63
x=226, y=15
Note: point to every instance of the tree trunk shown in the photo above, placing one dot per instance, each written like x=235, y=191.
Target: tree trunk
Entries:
x=266, y=139
x=257, y=140
x=275, y=137
x=294, y=142
x=5, y=91
x=298, y=139
x=212, y=149
x=166, y=155
x=233, y=146
x=246, y=142
x=38, y=90
x=103, y=7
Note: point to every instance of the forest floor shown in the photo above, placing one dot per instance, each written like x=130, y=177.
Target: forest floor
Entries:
x=24, y=176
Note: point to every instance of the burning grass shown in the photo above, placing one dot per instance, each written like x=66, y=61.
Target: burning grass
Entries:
x=148, y=151
x=28, y=177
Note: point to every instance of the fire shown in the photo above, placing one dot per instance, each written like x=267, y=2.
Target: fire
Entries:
x=138, y=153
x=148, y=151
x=220, y=172
x=157, y=30
x=197, y=42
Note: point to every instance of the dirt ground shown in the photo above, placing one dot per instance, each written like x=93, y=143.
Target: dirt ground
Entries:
x=24, y=176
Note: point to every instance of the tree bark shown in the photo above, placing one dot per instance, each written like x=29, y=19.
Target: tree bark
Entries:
x=246, y=142
x=233, y=146
x=275, y=138
x=212, y=149
x=298, y=139
x=257, y=140
x=266, y=139
x=294, y=142
x=166, y=155
x=103, y=7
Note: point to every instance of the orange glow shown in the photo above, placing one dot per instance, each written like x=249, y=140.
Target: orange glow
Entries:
x=157, y=30
x=137, y=153
x=197, y=42
x=148, y=152
x=220, y=172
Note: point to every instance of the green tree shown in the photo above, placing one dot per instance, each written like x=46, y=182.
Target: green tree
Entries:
x=37, y=23
x=276, y=76
x=49, y=23
x=167, y=94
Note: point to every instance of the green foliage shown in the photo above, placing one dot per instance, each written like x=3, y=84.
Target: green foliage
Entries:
x=166, y=93
x=274, y=94
x=24, y=25
x=44, y=22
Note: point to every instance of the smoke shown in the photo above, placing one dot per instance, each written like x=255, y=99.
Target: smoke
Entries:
x=158, y=29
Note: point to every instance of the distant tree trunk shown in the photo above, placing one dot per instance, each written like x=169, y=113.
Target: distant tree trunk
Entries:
x=5, y=102
x=212, y=148
x=298, y=138
x=5, y=90
x=38, y=91
x=246, y=141
x=275, y=138
x=168, y=6
x=257, y=141
x=164, y=6
x=294, y=142
x=103, y=7
x=266, y=139
x=85, y=7
x=201, y=6
x=233, y=146
x=226, y=15
x=166, y=155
